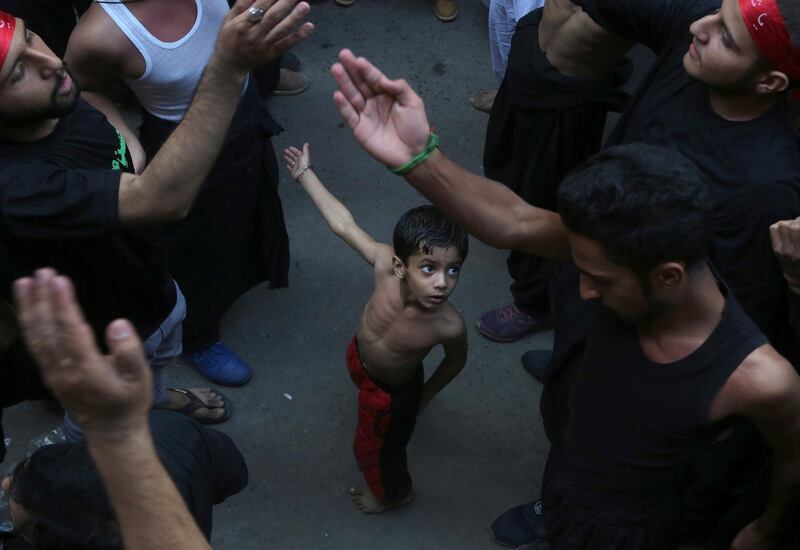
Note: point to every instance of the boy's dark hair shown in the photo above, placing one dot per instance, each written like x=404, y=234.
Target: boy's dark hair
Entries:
x=62, y=492
x=425, y=228
x=644, y=204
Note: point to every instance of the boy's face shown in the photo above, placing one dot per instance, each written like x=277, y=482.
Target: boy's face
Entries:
x=430, y=278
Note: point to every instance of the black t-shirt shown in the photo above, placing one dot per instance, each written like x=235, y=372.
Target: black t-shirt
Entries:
x=58, y=208
x=205, y=464
x=753, y=167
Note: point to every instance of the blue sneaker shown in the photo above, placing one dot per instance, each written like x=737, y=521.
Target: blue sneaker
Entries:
x=220, y=365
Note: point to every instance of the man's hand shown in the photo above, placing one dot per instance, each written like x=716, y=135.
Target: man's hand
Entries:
x=243, y=44
x=108, y=395
x=752, y=538
x=785, y=237
x=386, y=116
x=297, y=161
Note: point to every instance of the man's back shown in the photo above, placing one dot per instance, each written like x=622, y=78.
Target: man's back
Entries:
x=205, y=465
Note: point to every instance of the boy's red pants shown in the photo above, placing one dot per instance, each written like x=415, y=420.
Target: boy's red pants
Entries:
x=386, y=419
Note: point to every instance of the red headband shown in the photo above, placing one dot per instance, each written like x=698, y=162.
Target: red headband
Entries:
x=7, y=24
x=767, y=28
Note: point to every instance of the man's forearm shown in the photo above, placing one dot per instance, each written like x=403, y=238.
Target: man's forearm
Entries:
x=150, y=510
x=166, y=189
x=489, y=210
x=784, y=491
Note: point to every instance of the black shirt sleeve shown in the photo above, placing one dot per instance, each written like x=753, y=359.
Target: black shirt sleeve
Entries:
x=44, y=202
x=653, y=23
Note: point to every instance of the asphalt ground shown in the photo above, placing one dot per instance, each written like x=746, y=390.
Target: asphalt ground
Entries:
x=479, y=448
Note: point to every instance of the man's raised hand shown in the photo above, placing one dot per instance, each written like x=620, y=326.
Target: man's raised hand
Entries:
x=108, y=395
x=387, y=117
x=243, y=43
x=785, y=237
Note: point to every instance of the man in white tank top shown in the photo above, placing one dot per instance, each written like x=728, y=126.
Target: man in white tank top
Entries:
x=159, y=49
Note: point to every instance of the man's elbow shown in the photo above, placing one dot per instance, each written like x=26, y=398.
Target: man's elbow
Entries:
x=170, y=213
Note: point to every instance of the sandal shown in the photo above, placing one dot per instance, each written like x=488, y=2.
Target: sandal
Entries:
x=195, y=404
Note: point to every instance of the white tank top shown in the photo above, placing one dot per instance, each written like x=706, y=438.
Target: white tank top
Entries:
x=172, y=69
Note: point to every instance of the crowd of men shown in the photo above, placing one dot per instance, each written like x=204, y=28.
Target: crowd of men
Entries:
x=666, y=258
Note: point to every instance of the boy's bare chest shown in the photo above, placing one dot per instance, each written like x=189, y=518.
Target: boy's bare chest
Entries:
x=393, y=341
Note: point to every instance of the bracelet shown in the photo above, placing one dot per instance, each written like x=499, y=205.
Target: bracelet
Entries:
x=433, y=143
x=303, y=171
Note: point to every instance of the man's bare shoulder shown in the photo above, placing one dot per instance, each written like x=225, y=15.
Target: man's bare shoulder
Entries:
x=763, y=381
x=98, y=38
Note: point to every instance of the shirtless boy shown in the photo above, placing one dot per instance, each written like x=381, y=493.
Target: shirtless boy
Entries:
x=406, y=316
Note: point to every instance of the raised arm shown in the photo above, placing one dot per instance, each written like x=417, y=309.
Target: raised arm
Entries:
x=167, y=187
x=110, y=397
x=766, y=389
x=339, y=218
x=388, y=119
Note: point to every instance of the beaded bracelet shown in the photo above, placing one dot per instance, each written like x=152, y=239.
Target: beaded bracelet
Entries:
x=433, y=143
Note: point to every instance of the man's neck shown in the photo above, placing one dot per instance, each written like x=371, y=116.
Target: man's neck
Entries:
x=681, y=328
x=738, y=107
x=28, y=132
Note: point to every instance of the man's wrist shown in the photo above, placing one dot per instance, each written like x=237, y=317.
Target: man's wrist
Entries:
x=117, y=434
x=226, y=71
x=419, y=158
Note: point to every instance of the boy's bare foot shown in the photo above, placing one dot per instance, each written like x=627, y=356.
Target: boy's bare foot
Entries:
x=368, y=503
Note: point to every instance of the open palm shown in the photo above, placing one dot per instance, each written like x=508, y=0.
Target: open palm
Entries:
x=387, y=118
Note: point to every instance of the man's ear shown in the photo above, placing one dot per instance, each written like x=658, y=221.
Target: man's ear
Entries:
x=772, y=82
x=399, y=267
x=668, y=275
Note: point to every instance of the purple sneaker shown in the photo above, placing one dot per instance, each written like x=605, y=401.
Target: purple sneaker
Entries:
x=220, y=365
x=508, y=324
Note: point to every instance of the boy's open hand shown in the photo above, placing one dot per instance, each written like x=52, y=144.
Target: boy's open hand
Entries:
x=108, y=395
x=386, y=116
x=297, y=161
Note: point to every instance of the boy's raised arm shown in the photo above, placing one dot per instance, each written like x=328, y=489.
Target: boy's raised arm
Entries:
x=339, y=218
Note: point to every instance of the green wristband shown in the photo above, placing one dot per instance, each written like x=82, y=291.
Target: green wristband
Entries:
x=433, y=143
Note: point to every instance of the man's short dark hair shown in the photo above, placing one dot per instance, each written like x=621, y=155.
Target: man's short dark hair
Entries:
x=62, y=492
x=425, y=228
x=644, y=204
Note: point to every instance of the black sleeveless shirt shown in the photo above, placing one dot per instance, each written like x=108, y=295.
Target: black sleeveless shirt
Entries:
x=635, y=424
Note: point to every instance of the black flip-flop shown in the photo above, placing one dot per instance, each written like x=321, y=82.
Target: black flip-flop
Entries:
x=195, y=404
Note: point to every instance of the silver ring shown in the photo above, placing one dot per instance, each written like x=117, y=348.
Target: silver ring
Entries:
x=256, y=15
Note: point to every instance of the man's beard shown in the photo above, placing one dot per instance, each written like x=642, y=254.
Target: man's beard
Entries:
x=57, y=107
